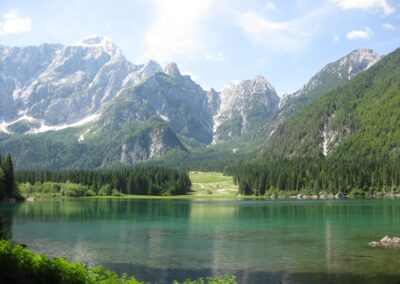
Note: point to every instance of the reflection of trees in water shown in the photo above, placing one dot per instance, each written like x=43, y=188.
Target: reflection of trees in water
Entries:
x=95, y=209
x=5, y=226
x=6, y=219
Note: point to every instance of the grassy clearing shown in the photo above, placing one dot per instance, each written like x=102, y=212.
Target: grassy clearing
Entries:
x=212, y=184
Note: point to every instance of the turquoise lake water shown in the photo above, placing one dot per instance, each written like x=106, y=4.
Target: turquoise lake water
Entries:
x=258, y=241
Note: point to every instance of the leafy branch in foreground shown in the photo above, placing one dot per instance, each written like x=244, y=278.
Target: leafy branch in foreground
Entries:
x=21, y=265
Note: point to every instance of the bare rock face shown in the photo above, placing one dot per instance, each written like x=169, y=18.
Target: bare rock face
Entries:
x=244, y=108
x=63, y=84
x=386, y=242
x=151, y=143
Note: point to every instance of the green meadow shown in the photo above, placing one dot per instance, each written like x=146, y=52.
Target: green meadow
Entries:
x=212, y=184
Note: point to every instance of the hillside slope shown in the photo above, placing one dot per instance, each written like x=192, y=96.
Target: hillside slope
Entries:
x=359, y=119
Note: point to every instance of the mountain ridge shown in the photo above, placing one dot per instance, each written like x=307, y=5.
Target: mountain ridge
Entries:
x=354, y=120
x=126, y=112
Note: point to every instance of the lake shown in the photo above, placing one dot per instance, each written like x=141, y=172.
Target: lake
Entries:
x=259, y=241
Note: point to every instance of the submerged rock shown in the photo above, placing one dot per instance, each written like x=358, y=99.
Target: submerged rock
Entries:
x=386, y=242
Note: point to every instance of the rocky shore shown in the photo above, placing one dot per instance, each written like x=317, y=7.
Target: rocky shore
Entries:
x=328, y=196
x=386, y=242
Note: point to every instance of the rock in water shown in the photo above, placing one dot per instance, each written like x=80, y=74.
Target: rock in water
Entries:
x=386, y=242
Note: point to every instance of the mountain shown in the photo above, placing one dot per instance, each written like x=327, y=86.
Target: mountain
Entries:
x=174, y=98
x=85, y=105
x=53, y=85
x=359, y=119
x=243, y=109
x=332, y=76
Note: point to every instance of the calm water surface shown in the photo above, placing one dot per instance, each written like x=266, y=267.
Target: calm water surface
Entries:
x=258, y=241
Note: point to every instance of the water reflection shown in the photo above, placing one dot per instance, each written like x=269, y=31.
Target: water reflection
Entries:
x=6, y=220
x=258, y=241
x=5, y=227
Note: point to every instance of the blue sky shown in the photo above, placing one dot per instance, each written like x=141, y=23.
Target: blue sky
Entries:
x=215, y=41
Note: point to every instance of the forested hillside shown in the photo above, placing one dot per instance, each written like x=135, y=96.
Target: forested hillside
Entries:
x=347, y=141
x=359, y=120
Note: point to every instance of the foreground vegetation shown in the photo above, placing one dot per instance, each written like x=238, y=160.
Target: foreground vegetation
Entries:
x=135, y=180
x=21, y=265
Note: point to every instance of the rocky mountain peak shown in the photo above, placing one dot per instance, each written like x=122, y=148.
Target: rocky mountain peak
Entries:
x=172, y=70
x=359, y=60
x=261, y=84
x=151, y=67
x=362, y=54
x=243, y=106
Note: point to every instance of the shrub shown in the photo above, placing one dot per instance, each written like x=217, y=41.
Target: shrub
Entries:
x=21, y=265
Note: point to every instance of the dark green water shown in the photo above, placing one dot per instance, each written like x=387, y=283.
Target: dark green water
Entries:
x=258, y=241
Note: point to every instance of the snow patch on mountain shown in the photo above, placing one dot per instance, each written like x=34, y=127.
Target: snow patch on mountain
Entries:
x=43, y=127
x=3, y=127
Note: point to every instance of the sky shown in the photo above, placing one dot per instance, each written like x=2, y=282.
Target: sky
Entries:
x=214, y=41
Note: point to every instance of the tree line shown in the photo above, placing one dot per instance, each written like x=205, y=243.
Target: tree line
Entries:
x=134, y=180
x=315, y=175
x=8, y=187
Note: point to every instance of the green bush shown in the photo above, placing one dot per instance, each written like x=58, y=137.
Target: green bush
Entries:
x=115, y=192
x=105, y=190
x=20, y=265
x=74, y=190
x=356, y=193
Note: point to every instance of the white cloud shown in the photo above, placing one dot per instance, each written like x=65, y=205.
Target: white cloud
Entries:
x=388, y=26
x=366, y=5
x=277, y=36
x=366, y=33
x=13, y=23
x=175, y=29
x=220, y=56
x=270, y=6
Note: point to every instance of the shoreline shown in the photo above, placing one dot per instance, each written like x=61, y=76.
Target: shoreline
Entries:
x=216, y=197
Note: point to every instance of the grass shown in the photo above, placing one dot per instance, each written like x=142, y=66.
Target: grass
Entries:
x=212, y=184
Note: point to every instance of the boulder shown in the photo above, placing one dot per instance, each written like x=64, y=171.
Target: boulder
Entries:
x=323, y=195
x=386, y=242
x=301, y=196
x=339, y=195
